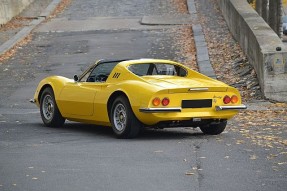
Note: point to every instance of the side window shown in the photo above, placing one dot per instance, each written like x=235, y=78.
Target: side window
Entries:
x=139, y=69
x=180, y=71
x=157, y=69
x=101, y=72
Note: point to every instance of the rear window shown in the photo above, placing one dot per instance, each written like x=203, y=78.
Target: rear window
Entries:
x=157, y=69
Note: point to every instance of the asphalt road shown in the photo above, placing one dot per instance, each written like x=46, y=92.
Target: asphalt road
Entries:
x=84, y=157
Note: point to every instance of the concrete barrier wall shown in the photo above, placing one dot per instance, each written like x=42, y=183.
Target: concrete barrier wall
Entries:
x=263, y=47
x=11, y=8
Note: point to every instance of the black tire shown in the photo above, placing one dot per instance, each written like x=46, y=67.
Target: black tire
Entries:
x=123, y=120
x=50, y=113
x=214, y=128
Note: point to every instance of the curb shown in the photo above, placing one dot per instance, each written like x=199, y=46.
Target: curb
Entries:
x=23, y=33
x=202, y=55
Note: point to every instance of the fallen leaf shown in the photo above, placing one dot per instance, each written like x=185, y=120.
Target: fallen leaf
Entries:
x=189, y=173
x=275, y=169
x=253, y=157
x=239, y=142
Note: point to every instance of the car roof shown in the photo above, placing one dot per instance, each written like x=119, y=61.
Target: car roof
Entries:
x=101, y=61
x=111, y=60
x=127, y=62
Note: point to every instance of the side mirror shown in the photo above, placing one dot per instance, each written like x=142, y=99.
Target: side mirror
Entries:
x=76, y=78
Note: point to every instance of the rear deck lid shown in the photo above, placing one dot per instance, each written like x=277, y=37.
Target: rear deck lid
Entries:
x=176, y=84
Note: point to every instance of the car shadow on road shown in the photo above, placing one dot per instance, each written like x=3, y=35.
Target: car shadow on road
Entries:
x=146, y=133
x=88, y=129
x=170, y=133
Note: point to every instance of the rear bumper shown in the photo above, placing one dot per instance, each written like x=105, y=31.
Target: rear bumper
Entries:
x=152, y=116
x=229, y=107
x=178, y=109
x=160, y=110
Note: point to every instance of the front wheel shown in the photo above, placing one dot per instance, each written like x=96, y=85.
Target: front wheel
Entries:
x=123, y=120
x=50, y=113
x=213, y=128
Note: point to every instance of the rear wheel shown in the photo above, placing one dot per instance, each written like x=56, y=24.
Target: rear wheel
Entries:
x=214, y=128
x=123, y=120
x=50, y=113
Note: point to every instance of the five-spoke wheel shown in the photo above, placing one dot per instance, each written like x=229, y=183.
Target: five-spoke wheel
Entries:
x=50, y=113
x=124, y=122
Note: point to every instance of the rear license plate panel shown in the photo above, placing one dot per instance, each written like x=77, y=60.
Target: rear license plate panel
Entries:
x=201, y=103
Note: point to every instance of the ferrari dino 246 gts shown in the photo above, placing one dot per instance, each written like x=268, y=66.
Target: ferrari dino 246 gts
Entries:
x=131, y=94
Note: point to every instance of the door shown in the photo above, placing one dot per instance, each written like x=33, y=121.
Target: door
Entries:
x=77, y=98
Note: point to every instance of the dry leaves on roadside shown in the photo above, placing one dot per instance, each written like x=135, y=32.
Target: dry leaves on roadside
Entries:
x=266, y=128
x=60, y=8
x=13, y=50
x=15, y=23
x=180, y=5
x=185, y=41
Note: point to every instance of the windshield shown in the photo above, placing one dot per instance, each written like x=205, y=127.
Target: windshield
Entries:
x=99, y=73
x=157, y=69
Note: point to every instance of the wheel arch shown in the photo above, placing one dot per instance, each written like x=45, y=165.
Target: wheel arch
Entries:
x=42, y=89
x=112, y=97
x=56, y=83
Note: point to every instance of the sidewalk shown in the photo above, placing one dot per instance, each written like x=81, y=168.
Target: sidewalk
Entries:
x=16, y=30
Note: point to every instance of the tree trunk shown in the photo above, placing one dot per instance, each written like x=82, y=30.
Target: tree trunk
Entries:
x=258, y=7
x=265, y=10
x=275, y=15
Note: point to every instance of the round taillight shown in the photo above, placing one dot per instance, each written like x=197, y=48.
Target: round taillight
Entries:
x=226, y=99
x=165, y=101
x=156, y=101
x=234, y=99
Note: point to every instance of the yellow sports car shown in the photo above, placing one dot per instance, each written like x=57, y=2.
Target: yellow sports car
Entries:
x=131, y=94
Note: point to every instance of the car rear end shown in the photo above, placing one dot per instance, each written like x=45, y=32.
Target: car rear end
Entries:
x=191, y=106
